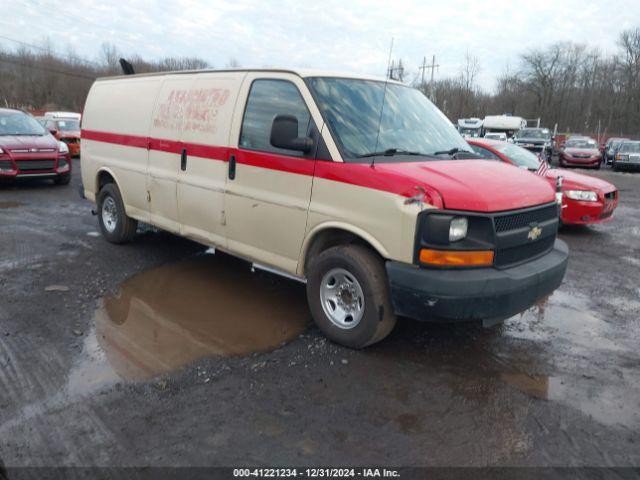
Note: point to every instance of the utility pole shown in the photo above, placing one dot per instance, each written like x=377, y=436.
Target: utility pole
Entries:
x=396, y=72
x=424, y=67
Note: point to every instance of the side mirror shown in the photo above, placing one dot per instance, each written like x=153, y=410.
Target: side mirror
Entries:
x=284, y=134
x=53, y=131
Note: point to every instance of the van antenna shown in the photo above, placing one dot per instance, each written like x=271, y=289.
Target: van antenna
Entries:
x=127, y=68
x=384, y=96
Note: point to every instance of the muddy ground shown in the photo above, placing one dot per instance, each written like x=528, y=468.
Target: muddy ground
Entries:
x=143, y=376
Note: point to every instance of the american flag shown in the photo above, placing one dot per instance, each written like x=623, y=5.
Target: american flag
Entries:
x=543, y=168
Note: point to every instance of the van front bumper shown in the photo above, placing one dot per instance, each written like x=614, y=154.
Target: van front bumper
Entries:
x=487, y=294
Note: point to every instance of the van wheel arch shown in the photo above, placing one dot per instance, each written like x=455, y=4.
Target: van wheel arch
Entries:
x=333, y=237
x=104, y=177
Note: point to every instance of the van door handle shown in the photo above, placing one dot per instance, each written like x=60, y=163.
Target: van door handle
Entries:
x=183, y=160
x=232, y=167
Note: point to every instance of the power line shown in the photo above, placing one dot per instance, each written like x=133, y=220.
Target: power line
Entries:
x=46, y=69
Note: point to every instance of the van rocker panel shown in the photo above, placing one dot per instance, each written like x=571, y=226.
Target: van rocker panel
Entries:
x=475, y=293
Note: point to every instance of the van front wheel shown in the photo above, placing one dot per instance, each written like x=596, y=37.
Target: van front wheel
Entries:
x=349, y=297
x=115, y=225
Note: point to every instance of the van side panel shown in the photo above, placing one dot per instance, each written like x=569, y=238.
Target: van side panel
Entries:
x=207, y=124
x=116, y=107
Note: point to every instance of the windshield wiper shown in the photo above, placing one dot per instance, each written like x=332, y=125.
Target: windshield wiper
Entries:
x=390, y=152
x=451, y=152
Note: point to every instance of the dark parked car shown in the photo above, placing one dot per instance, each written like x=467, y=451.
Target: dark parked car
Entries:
x=627, y=156
x=611, y=148
x=536, y=140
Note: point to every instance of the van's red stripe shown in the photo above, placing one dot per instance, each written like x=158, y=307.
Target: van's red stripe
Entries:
x=117, y=138
x=352, y=173
x=271, y=161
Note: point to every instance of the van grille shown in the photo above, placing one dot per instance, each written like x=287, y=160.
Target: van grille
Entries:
x=514, y=221
x=520, y=253
x=32, y=165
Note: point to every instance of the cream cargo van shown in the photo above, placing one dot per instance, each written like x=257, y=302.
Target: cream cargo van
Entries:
x=359, y=187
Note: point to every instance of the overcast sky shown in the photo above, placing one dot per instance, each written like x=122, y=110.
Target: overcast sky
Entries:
x=338, y=35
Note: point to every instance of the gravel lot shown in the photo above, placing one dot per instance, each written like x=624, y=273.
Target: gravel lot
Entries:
x=147, y=377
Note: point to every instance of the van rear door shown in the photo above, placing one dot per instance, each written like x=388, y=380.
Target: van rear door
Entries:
x=203, y=170
x=165, y=148
x=268, y=189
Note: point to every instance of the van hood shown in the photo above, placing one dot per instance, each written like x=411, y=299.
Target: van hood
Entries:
x=14, y=142
x=477, y=185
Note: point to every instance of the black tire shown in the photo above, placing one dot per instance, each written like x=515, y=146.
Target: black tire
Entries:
x=63, y=179
x=367, y=267
x=125, y=226
x=598, y=166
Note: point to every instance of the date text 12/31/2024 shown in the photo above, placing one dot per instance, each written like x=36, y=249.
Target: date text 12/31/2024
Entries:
x=315, y=472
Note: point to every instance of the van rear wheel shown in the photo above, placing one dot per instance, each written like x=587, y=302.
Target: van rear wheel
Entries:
x=115, y=225
x=349, y=297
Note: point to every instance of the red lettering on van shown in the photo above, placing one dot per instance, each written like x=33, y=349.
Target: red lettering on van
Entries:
x=191, y=110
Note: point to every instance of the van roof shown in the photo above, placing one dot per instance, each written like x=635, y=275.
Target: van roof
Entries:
x=303, y=73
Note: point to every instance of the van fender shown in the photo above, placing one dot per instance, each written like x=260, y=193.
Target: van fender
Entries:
x=359, y=232
x=115, y=179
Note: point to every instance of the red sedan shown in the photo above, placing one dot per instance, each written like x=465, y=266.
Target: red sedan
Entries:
x=585, y=199
x=580, y=152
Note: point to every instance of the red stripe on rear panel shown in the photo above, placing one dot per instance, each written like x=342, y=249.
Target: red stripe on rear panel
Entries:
x=167, y=146
x=116, y=138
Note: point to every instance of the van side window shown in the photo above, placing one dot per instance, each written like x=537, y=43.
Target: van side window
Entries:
x=267, y=99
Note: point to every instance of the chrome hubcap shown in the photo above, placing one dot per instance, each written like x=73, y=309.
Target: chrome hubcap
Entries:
x=109, y=214
x=342, y=298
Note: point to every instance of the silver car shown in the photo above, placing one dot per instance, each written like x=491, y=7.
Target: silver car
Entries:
x=628, y=156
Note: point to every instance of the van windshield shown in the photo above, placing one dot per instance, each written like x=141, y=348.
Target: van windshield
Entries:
x=410, y=124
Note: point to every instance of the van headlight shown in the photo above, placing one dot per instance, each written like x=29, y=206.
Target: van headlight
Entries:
x=458, y=229
x=62, y=147
x=583, y=195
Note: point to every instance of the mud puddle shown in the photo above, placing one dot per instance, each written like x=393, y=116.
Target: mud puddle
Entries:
x=564, y=352
x=570, y=327
x=209, y=305
x=609, y=403
x=569, y=319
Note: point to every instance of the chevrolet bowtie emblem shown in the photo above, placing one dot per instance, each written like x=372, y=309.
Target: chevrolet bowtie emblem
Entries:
x=534, y=233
